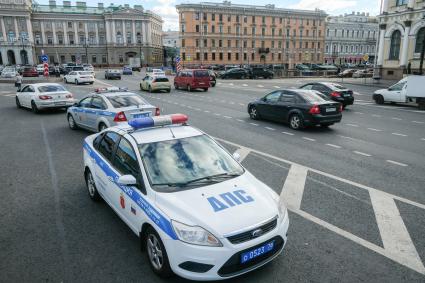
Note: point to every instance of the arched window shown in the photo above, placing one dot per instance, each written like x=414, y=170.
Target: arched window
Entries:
x=420, y=40
x=395, y=45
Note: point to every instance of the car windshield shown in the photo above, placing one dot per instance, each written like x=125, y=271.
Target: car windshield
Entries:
x=51, y=88
x=120, y=101
x=159, y=80
x=201, y=73
x=337, y=86
x=78, y=69
x=179, y=163
x=85, y=73
x=313, y=96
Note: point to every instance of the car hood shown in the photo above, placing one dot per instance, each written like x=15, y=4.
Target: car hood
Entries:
x=207, y=206
x=380, y=91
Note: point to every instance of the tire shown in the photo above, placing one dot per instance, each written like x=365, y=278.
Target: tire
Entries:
x=156, y=254
x=91, y=186
x=141, y=88
x=169, y=90
x=343, y=106
x=253, y=113
x=34, y=107
x=176, y=86
x=213, y=85
x=101, y=127
x=189, y=88
x=150, y=89
x=206, y=89
x=326, y=125
x=65, y=80
x=242, y=77
x=296, y=122
x=71, y=122
x=379, y=99
x=76, y=82
x=18, y=103
x=91, y=83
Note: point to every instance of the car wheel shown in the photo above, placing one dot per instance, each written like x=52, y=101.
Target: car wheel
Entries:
x=76, y=81
x=326, y=125
x=71, y=122
x=168, y=90
x=34, y=107
x=91, y=186
x=242, y=77
x=18, y=103
x=91, y=83
x=101, y=127
x=156, y=253
x=206, y=89
x=213, y=85
x=379, y=99
x=176, y=86
x=253, y=113
x=141, y=88
x=296, y=122
x=150, y=89
x=189, y=88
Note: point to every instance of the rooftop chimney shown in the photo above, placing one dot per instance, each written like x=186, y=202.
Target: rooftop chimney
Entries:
x=100, y=5
x=138, y=7
x=52, y=3
x=80, y=4
x=67, y=3
x=126, y=5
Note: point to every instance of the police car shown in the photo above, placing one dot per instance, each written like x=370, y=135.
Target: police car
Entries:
x=107, y=107
x=198, y=212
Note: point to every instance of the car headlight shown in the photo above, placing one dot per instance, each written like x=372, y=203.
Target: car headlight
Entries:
x=195, y=235
x=281, y=206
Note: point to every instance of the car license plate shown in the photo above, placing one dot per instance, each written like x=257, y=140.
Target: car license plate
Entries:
x=60, y=103
x=141, y=115
x=250, y=255
x=331, y=109
x=347, y=95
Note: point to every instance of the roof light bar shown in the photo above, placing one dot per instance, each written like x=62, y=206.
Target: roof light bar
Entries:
x=157, y=121
x=110, y=89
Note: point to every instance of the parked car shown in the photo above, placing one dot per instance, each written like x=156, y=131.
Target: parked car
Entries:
x=40, y=69
x=88, y=67
x=347, y=73
x=42, y=96
x=192, y=79
x=333, y=91
x=264, y=73
x=154, y=72
x=29, y=72
x=79, y=77
x=155, y=83
x=363, y=74
x=299, y=108
x=72, y=68
x=112, y=74
x=213, y=76
x=9, y=73
x=235, y=73
x=126, y=70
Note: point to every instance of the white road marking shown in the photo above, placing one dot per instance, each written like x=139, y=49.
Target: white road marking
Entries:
x=241, y=104
x=358, y=112
x=394, y=234
x=333, y=145
x=206, y=111
x=362, y=153
x=239, y=120
x=197, y=109
x=422, y=139
x=217, y=114
x=276, y=86
x=231, y=102
x=287, y=133
x=219, y=83
x=398, y=134
x=227, y=117
x=243, y=153
x=268, y=128
x=376, y=115
x=373, y=129
x=396, y=163
x=309, y=139
x=230, y=83
x=244, y=85
x=352, y=125
x=260, y=85
x=395, y=118
x=293, y=188
x=418, y=122
x=254, y=124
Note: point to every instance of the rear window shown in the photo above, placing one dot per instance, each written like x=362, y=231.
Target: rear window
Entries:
x=201, y=73
x=85, y=73
x=313, y=96
x=77, y=68
x=160, y=80
x=51, y=88
x=120, y=101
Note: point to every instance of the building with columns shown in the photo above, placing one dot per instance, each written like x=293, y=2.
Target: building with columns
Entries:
x=226, y=33
x=401, y=37
x=350, y=37
x=66, y=33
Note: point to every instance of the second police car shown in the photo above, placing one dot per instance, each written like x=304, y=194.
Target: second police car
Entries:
x=198, y=212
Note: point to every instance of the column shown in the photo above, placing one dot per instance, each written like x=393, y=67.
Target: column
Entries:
x=114, y=34
x=65, y=33
x=30, y=56
x=17, y=52
x=144, y=33
x=108, y=31
x=380, y=60
x=54, y=32
x=86, y=31
x=411, y=4
x=124, y=34
x=405, y=44
x=3, y=30
x=4, y=55
x=43, y=36
x=29, y=31
x=134, y=32
x=15, y=21
x=385, y=6
x=76, y=39
x=97, y=33
x=149, y=35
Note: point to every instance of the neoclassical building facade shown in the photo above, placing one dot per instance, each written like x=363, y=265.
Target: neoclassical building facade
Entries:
x=401, y=38
x=77, y=33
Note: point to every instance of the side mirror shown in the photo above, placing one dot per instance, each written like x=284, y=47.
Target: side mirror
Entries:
x=76, y=104
x=237, y=156
x=127, y=180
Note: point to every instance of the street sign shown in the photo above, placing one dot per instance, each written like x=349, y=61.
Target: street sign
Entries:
x=46, y=69
x=366, y=58
x=44, y=58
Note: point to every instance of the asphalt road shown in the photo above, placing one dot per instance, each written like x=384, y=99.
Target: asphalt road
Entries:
x=355, y=191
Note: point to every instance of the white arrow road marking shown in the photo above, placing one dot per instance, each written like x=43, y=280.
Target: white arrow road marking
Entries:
x=396, y=163
x=243, y=153
x=293, y=189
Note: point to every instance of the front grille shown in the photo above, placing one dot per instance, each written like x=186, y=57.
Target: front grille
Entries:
x=246, y=236
x=233, y=266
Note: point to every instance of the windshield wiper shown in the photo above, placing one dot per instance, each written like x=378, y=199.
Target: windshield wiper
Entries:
x=206, y=179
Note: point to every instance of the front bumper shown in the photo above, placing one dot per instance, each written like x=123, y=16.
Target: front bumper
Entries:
x=218, y=263
x=54, y=104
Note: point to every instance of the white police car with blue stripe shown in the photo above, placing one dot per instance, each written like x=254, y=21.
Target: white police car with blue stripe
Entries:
x=198, y=212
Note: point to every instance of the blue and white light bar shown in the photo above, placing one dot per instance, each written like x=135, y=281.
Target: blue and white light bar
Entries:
x=110, y=89
x=157, y=121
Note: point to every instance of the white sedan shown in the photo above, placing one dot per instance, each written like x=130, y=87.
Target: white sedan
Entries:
x=79, y=77
x=44, y=95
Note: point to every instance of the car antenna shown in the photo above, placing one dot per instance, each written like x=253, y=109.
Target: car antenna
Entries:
x=172, y=133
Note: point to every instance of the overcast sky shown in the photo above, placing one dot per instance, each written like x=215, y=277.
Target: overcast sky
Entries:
x=166, y=8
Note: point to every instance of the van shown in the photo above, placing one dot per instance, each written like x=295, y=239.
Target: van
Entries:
x=192, y=79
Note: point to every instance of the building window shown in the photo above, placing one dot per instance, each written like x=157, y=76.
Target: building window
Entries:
x=237, y=18
x=229, y=30
x=212, y=29
x=420, y=40
x=253, y=30
x=102, y=39
x=272, y=43
x=279, y=56
x=220, y=56
x=63, y=59
x=73, y=58
x=252, y=56
x=93, y=59
x=128, y=37
x=184, y=56
x=263, y=31
x=197, y=28
x=198, y=56
x=395, y=45
x=104, y=59
x=80, y=25
x=37, y=38
x=245, y=30
x=205, y=16
x=121, y=59
x=245, y=19
x=213, y=56
x=220, y=28
x=213, y=17
x=205, y=42
x=263, y=20
x=183, y=27
x=236, y=56
x=206, y=56
x=401, y=2
x=220, y=17
x=229, y=43
x=50, y=39
x=229, y=56
x=245, y=56
x=60, y=38
x=81, y=39
x=253, y=44
x=183, y=42
x=197, y=16
x=245, y=44
x=71, y=38
x=220, y=43
x=229, y=18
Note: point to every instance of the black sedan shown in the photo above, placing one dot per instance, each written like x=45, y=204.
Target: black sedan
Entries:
x=299, y=108
x=334, y=91
x=111, y=74
x=235, y=73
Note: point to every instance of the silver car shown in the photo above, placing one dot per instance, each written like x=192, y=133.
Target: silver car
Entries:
x=108, y=107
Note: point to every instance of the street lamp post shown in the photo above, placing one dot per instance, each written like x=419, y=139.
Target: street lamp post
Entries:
x=86, y=47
